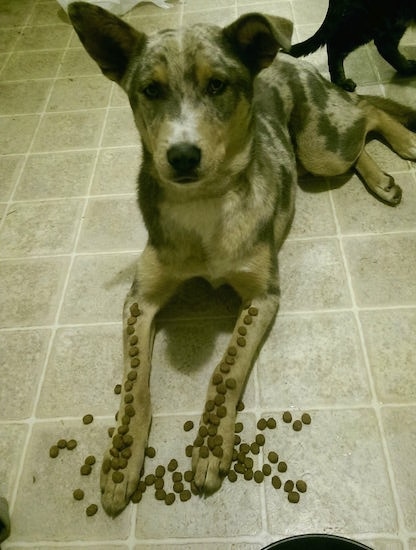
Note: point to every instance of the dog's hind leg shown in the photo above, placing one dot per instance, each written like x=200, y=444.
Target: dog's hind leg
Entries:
x=380, y=184
x=123, y=461
x=213, y=448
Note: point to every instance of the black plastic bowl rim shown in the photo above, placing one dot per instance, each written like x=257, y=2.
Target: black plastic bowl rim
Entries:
x=316, y=542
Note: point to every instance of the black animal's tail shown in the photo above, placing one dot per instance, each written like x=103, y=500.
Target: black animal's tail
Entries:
x=311, y=44
x=402, y=113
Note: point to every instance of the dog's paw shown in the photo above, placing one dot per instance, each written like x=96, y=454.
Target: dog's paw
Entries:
x=347, y=84
x=212, y=457
x=387, y=191
x=120, y=475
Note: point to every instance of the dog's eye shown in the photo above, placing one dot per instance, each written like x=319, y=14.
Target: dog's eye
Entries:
x=153, y=91
x=216, y=86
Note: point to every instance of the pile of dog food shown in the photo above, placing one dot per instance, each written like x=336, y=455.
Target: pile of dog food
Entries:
x=169, y=484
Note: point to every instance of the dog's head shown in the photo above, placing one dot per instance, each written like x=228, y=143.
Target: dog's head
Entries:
x=190, y=89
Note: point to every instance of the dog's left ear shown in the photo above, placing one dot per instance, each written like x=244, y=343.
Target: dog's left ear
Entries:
x=257, y=38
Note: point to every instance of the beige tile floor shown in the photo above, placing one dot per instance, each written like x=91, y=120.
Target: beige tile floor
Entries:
x=343, y=346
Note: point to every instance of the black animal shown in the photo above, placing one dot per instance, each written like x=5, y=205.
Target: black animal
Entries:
x=349, y=24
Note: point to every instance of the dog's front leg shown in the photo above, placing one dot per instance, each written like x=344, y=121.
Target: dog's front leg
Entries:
x=123, y=461
x=213, y=447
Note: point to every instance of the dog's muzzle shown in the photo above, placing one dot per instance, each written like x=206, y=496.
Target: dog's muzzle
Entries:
x=184, y=158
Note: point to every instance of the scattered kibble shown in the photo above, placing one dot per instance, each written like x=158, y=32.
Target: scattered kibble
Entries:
x=85, y=469
x=54, y=451
x=287, y=417
x=78, y=494
x=293, y=496
x=61, y=443
x=273, y=457
x=173, y=464
x=91, y=510
x=306, y=418
x=262, y=424
x=71, y=444
x=282, y=467
x=150, y=452
x=87, y=419
x=301, y=486
x=297, y=425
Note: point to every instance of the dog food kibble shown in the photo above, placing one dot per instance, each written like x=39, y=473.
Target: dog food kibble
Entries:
x=149, y=479
x=131, y=320
x=253, y=311
x=133, y=351
x=128, y=398
x=185, y=495
x=134, y=362
x=125, y=420
x=217, y=379
x=231, y=383
x=276, y=482
x=266, y=469
x=114, y=452
x=176, y=477
x=127, y=440
x=85, y=469
x=287, y=417
x=132, y=375
x=188, y=476
x=255, y=448
x=130, y=330
x=54, y=451
x=188, y=425
x=173, y=464
x=210, y=405
x=134, y=309
x=258, y=476
x=159, y=483
x=204, y=452
x=224, y=368
x=78, y=494
x=247, y=320
x=130, y=411
x=282, y=467
x=133, y=340
x=244, y=448
x=106, y=467
x=203, y=430
x=160, y=471
x=117, y=477
x=150, y=452
x=87, y=419
x=262, y=424
x=271, y=423
x=260, y=439
x=288, y=486
x=189, y=449
x=136, y=497
x=293, y=496
x=126, y=453
x=170, y=498
x=232, y=350
x=273, y=457
x=111, y=431
x=297, y=425
x=238, y=427
x=61, y=443
x=160, y=494
x=178, y=487
x=240, y=406
x=219, y=399
x=301, y=486
x=306, y=418
x=241, y=341
x=91, y=510
x=230, y=360
x=242, y=330
x=90, y=460
x=222, y=411
x=232, y=476
x=117, y=389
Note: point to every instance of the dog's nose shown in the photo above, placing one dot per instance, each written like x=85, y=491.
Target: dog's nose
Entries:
x=184, y=158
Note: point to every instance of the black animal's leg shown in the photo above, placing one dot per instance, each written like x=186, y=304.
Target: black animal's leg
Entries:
x=387, y=43
x=336, y=59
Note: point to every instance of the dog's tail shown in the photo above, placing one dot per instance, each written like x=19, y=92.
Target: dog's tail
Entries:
x=311, y=44
x=402, y=113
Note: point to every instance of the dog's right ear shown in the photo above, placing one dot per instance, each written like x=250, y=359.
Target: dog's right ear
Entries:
x=107, y=38
x=257, y=38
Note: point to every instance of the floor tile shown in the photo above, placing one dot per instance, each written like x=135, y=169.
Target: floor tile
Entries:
x=112, y=224
x=23, y=97
x=30, y=291
x=382, y=269
x=81, y=92
x=71, y=130
x=76, y=62
x=303, y=350
x=120, y=128
x=345, y=493
x=308, y=284
x=390, y=337
x=30, y=65
x=21, y=364
x=12, y=437
x=55, y=175
x=16, y=133
x=399, y=426
x=97, y=288
x=16, y=13
x=52, y=481
x=84, y=365
x=116, y=171
x=49, y=228
x=10, y=168
x=44, y=38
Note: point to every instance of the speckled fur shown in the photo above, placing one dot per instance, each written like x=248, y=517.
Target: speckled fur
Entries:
x=253, y=117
